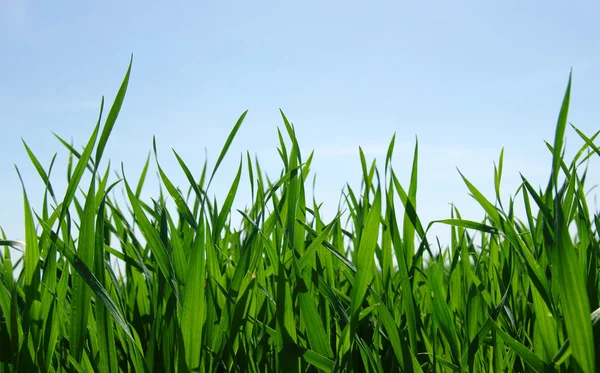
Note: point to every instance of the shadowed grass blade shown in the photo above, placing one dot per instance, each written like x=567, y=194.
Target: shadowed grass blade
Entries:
x=82, y=294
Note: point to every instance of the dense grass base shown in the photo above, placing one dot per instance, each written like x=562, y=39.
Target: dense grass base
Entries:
x=289, y=292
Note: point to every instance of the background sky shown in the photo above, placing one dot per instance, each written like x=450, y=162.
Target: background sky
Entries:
x=465, y=77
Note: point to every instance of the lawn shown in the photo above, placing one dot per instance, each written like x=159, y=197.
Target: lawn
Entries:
x=286, y=290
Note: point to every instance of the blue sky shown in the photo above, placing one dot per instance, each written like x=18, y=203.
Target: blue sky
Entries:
x=466, y=77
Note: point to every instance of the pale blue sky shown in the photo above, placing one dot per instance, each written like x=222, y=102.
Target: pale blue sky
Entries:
x=466, y=77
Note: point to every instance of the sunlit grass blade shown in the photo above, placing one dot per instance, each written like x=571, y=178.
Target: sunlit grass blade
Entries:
x=226, y=208
x=90, y=280
x=32, y=251
x=40, y=170
x=574, y=298
x=468, y=224
x=443, y=316
x=82, y=163
x=228, y=142
x=314, y=325
x=156, y=245
x=104, y=324
x=81, y=294
x=142, y=179
x=179, y=201
x=559, y=136
x=193, y=311
x=113, y=114
x=366, y=250
x=408, y=228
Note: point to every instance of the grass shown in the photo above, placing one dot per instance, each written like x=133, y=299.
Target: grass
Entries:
x=288, y=291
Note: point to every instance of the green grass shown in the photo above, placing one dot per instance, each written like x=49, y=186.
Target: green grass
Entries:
x=289, y=292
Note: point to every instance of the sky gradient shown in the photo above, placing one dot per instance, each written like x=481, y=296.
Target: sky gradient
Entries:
x=466, y=77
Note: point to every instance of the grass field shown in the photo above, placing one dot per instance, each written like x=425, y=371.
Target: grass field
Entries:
x=289, y=292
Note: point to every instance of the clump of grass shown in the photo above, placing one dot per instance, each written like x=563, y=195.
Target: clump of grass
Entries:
x=288, y=291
